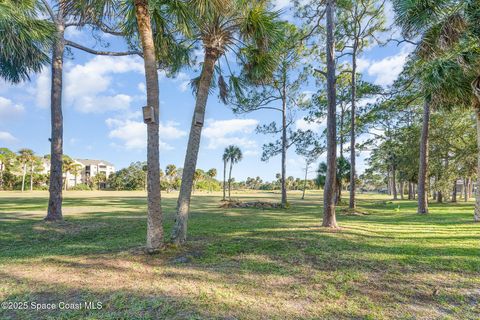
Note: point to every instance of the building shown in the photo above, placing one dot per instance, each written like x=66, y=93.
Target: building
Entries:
x=88, y=169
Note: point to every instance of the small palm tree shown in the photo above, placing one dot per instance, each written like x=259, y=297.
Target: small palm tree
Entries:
x=25, y=156
x=225, y=163
x=233, y=155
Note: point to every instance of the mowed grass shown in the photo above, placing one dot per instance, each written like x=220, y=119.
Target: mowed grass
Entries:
x=240, y=263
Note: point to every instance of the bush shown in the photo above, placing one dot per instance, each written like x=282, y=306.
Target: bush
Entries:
x=81, y=187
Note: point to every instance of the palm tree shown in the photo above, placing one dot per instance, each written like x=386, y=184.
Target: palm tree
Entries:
x=24, y=42
x=449, y=50
x=6, y=158
x=25, y=156
x=225, y=162
x=170, y=173
x=245, y=28
x=155, y=26
x=234, y=155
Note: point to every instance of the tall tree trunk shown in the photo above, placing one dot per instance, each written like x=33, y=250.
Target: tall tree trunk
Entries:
x=394, y=183
x=24, y=175
x=154, y=216
x=230, y=181
x=389, y=183
x=414, y=186
x=305, y=182
x=454, y=193
x=224, y=178
x=465, y=189
x=423, y=168
x=284, y=143
x=1, y=175
x=54, y=212
x=439, y=197
x=434, y=196
x=31, y=176
x=329, y=218
x=476, y=215
x=353, y=127
x=402, y=193
x=410, y=191
x=179, y=232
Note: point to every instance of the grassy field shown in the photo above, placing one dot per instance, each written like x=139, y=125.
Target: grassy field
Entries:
x=240, y=263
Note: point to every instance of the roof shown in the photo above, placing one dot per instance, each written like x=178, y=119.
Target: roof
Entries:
x=88, y=162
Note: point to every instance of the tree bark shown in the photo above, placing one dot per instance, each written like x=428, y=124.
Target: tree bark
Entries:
x=179, y=232
x=476, y=215
x=24, y=175
x=305, y=182
x=402, y=194
x=439, y=197
x=230, y=180
x=410, y=191
x=329, y=218
x=465, y=189
x=423, y=167
x=353, y=128
x=54, y=212
x=394, y=184
x=224, y=179
x=31, y=176
x=454, y=193
x=154, y=216
x=284, y=143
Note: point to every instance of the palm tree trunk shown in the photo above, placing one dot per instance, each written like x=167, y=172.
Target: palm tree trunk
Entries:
x=1, y=175
x=423, y=168
x=476, y=215
x=353, y=128
x=454, y=193
x=224, y=178
x=154, y=218
x=230, y=181
x=179, y=232
x=284, y=143
x=54, y=212
x=329, y=218
x=394, y=184
x=23, y=176
x=305, y=182
x=31, y=176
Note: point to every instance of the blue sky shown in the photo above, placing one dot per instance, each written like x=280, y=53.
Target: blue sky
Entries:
x=103, y=97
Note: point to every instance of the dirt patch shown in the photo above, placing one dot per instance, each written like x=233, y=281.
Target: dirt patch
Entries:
x=254, y=204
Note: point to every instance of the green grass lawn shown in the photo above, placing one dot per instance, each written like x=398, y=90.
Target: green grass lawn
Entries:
x=240, y=263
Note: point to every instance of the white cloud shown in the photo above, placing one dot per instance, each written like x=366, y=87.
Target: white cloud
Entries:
x=8, y=109
x=281, y=4
x=43, y=85
x=7, y=137
x=221, y=133
x=88, y=86
x=133, y=134
x=386, y=70
x=302, y=124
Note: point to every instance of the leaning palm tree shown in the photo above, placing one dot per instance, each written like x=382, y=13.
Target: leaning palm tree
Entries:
x=234, y=155
x=153, y=26
x=244, y=28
